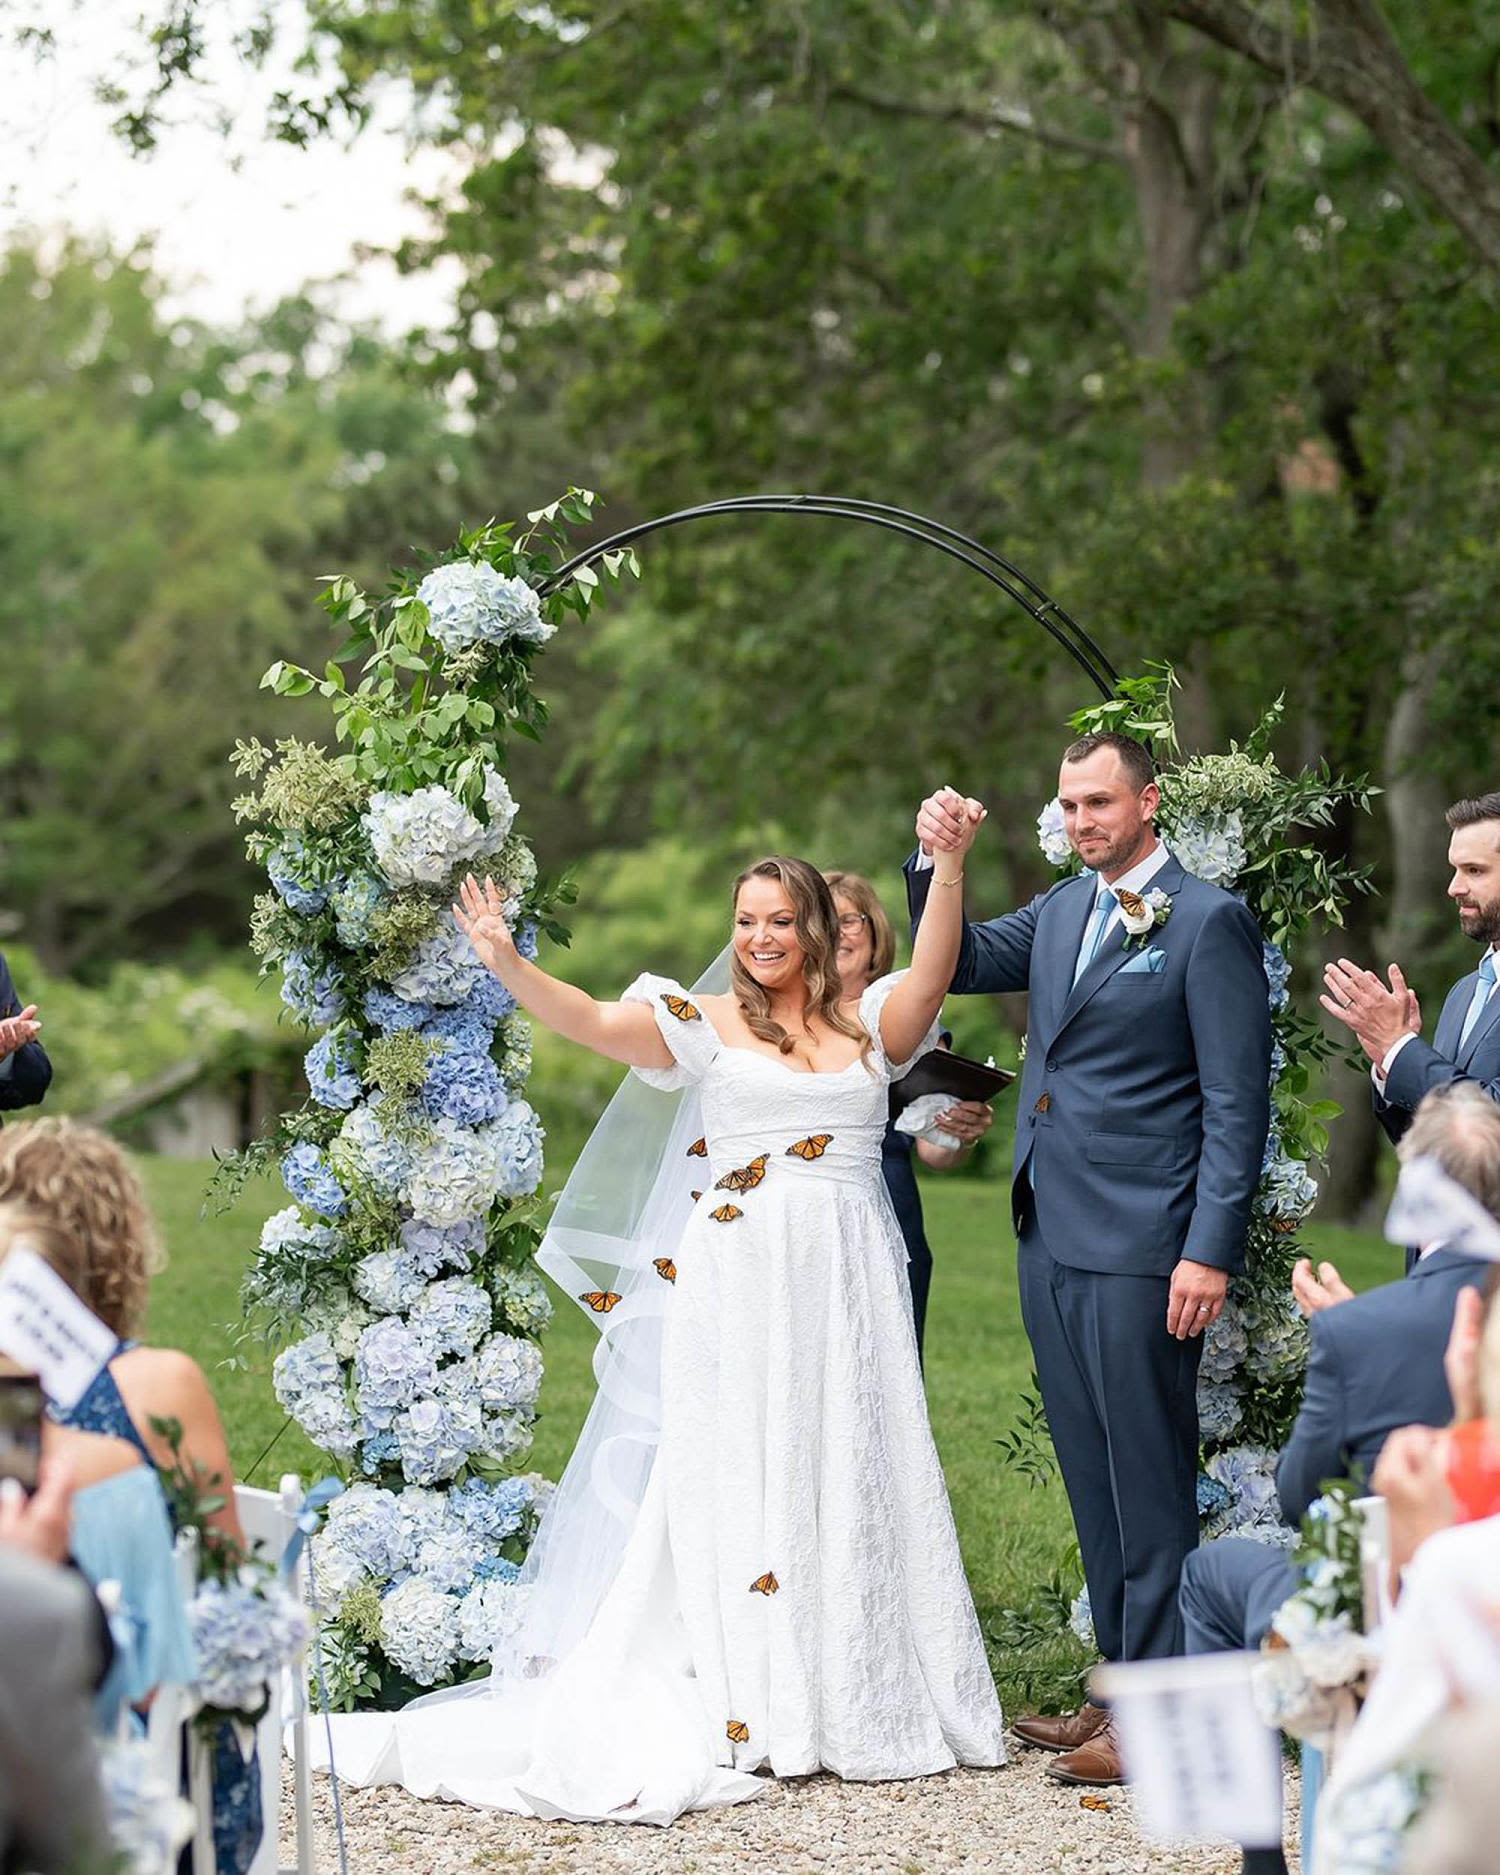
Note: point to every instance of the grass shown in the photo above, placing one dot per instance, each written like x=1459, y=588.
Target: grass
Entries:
x=978, y=1362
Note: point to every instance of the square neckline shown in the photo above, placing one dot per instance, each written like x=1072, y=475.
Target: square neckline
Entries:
x=802, y=1074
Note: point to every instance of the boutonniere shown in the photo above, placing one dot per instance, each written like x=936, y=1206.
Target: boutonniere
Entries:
x=1142, y=915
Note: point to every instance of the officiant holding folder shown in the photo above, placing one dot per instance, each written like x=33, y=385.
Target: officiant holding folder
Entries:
x=867, y=949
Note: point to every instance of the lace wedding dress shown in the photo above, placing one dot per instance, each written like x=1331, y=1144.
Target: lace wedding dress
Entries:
x=790, y=1595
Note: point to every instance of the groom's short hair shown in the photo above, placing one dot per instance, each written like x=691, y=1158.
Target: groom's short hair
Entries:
x=1470, y=813
x=1459, y=1126
x=1135, y=757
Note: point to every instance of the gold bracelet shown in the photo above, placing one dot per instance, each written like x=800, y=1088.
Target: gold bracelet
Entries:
x=958, y=881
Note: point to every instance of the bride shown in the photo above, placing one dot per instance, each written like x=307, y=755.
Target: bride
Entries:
x=751, y=1561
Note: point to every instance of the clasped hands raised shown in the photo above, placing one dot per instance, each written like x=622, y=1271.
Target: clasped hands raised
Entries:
x=947, y=822
x=17, y=1030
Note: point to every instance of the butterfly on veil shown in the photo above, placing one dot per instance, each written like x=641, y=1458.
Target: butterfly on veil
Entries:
x=744, y=1177
x=684, y=1011
x=698, y=1149
x=601, y=1301
x=665, y=1268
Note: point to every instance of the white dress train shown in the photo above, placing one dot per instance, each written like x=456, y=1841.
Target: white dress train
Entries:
x=791, y=1596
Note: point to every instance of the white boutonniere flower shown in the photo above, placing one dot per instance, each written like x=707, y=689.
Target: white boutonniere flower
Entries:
x=1142, y=915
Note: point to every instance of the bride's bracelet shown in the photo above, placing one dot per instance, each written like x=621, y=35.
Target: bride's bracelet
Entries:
x=958, y=881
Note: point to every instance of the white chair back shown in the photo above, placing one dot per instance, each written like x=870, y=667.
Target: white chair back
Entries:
x=1374, y=1560
x=269, y=1521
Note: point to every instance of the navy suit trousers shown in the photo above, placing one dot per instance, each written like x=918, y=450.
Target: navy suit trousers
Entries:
x=1230, y=1593
x=1120, y=1395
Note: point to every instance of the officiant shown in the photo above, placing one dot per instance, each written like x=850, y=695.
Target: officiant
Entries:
x=867, y=950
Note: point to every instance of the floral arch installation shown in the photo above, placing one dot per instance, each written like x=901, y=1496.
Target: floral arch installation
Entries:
x=1010, y=580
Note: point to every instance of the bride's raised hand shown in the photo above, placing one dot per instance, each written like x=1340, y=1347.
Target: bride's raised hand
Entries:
x=480, y=915
x=948, y=862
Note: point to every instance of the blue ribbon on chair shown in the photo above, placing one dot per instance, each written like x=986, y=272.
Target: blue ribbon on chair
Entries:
x=309, y=1515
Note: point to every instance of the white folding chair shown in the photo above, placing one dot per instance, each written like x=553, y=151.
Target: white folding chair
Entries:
x=269, y=1520
x=171, y=1734
x=1374, y=1560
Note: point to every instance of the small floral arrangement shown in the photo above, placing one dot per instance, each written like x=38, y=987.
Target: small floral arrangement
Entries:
x=1313, y=1663
x=399, y=1283
x=1143, y=913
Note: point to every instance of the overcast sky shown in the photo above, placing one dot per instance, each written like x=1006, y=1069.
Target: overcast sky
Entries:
x=237, y=222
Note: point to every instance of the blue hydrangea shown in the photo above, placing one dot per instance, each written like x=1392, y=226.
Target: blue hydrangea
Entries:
x=522, y=1298
x=379, y=1450
x=508, y=1372
x=437, y=1437
x=1212, y=1496
x=420, y=838
x=1081, y=1618
x=1278, y=971
x=308, y=1378
x=365, y=1521
x=373, y=1155
x=451, y=1316
x=243, y=1635
x=463, y=1028
x=389, y=1012
x=489, y=998
x=388, y=1280
x=491, y=1511
x=443, y=969
x=1219, y=1410
x=432, y=1247
x=516, y=1140
x=312, y=995
x=308, y=1176
x=454, y=1174
x=470, y=602
x=1212, y=850
x=496, y=1569
x=332, y=1070
x=466, y=1088
x=391, y=1366
x=1288, y=1191
x=1278, y=1060
x=291, y=876
x=527, y=939
x=1225, y=1345
x=1248, y=1475
x=354, y=901
x=449, y=1560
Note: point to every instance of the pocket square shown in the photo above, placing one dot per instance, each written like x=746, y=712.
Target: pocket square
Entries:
x=1153, y=961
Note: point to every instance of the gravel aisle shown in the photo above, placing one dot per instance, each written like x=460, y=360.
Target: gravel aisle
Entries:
x=1014, y=1821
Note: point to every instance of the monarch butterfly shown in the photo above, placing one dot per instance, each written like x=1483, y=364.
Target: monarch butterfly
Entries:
x=698, y=1149
x=764, y=1585
x=746, y=1178
x=665, y=1268
x=726, y=1214
x=601, y=1301
x=813, y=1147
x=1043, y=1104
x=1091, y=1800
x=695, y=1196
x=680, y=1007
x=737, y=1732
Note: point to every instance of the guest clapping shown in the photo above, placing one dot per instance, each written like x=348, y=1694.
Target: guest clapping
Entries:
x=25, y=1071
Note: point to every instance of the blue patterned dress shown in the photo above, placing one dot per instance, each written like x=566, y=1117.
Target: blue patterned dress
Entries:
x=238, y=1822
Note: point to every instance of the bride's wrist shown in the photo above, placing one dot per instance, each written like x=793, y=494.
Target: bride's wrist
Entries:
x=947, y=878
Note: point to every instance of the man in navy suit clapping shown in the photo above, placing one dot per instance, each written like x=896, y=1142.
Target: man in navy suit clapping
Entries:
x=1143, y=1113
x=25, y=1071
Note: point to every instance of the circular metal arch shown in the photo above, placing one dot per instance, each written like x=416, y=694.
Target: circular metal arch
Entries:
x=1015, y=584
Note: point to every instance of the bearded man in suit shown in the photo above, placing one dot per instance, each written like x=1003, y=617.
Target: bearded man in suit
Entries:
x=1142, y=1121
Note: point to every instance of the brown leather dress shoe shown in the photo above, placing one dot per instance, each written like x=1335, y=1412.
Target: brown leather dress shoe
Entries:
x=1097, y=1762
x=1064, y=1732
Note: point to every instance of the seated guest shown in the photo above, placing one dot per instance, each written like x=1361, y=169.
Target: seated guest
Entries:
x=1375, y=1362
x=78, y=1181
x=51, y=1808
x=25, y=1071
x=867, y=950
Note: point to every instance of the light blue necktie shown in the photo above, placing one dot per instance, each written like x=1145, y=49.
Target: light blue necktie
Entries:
x=1089, y=949
x=1481, y=995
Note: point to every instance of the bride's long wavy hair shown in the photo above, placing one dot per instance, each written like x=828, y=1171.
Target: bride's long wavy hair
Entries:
x=817, y=926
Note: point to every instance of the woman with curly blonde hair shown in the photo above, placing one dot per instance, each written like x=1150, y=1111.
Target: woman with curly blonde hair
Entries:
x=76, y=1181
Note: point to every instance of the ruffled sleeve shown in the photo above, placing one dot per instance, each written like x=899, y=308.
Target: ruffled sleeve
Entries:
x=870, y=1006
x=685, y=1029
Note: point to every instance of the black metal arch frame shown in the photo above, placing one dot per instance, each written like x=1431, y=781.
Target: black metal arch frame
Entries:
x=1016, y=586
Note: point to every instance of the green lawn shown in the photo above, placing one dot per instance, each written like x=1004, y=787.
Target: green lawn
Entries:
x=977, y=1363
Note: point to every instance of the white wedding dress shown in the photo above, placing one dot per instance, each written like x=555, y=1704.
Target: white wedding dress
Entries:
x=790, y=1595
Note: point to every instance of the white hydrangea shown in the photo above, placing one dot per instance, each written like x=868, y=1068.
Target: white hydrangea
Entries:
x=337, y=1571
x=451, y=1315
x=419, y=838
x=522, y=1298
x=369, y=1153
x=1211, y=850
x=449, y=1559
x=500, y=803
x=1052, y=835
x=454, y=1174
x=419, y=1630
x=508, y=1372
x=341, y=1320
x=288, y=1229
x=488, y=1615
x=423, y=1517
x=470, y=602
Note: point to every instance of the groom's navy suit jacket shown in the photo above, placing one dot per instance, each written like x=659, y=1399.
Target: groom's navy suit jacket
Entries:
x=1422, y=1066
x=1145, y=1096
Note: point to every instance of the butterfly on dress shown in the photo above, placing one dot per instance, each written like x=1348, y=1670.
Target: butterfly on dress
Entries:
x=665, y=1268
x=601, y=1301
x=726, y=1214
x=744, y=1177
x=764, y=1585
x=813, y=1147
x=684, y=1011
x=737, y=1732
x=698, y=1149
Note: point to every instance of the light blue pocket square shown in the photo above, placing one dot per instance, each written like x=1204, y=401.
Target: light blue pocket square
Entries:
x=1152, y=960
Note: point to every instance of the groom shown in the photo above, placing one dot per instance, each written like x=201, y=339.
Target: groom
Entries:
x=1143, y=1112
